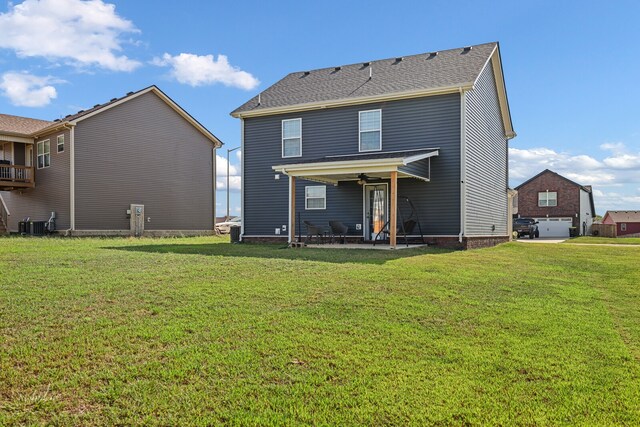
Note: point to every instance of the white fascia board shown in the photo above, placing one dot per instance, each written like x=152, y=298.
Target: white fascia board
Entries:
x=353, y=101
x=337, y=171
x=498, y=76
x=11, y=138
x=344, y=164
x=167, y=100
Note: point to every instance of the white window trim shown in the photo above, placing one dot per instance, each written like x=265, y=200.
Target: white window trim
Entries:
x=360, y=130
x=547, y=205
x=283, y=138
x=43, y=154
x=58, y=144
x=306, y=198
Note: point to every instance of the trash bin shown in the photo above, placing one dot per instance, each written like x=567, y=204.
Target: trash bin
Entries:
x=234, y=232
x=22, y=227
x=573, y=231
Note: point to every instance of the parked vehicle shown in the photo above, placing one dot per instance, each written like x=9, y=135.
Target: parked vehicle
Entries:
x=225, y=227
x=526, y=227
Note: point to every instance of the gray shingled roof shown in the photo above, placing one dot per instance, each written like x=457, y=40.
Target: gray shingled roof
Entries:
x=426, y=71
x=24, y=126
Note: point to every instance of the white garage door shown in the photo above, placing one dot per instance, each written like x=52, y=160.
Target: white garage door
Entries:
x=554, y=227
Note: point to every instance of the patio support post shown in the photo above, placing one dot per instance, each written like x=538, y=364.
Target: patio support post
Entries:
x=292, y=209
x=394, y=209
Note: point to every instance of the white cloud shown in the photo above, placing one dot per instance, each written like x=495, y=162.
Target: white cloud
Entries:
x=199, y=70
x=221, y=167
x=221, y=172
x=614, y=178
x=87, y=33
x=623, y=161
x=525, y=163
x=26, y=90
x=234, y=183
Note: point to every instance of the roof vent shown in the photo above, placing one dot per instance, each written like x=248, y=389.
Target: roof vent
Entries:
x=259, y=99
x=68, y=115
x=337, y=69
x=306, y=73
x=432, y=55
x=366, y=64
x=129, y=93
x=56, y=120
x=97, y=105
x=467, y=49
x=399, y=58
x=81, y=111
x=113, y=99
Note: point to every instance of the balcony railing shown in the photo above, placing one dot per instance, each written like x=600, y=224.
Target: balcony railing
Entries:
x=14, y=176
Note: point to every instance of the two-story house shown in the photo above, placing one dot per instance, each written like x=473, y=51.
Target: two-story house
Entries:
x=356, y=143
x=139, y=164
x=557, y=203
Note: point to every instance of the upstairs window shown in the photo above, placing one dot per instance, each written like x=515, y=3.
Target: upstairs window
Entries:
x=623, y=226
x=315, y=197
x=370, y=130
x=60, y=143
x=44, y=154
x=547, y=199
x=292, y=138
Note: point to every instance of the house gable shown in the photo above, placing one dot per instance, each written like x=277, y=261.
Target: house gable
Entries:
x=429, y=74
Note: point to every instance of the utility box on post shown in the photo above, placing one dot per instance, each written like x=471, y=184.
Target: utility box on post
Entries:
x=136, y=222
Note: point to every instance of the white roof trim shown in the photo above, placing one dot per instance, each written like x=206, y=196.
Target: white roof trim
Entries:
x=501, y=90
x=11, y=138
x=350, y=166
x=422, y=156
x=160, y=95
x=353, y=101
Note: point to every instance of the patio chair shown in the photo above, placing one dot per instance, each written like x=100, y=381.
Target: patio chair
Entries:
x=313, y=230
x=338, y=229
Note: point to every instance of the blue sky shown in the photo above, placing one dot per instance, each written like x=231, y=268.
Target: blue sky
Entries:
x=570, y=67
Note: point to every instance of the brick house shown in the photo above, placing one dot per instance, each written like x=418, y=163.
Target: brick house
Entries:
x=557, y=203
x=627, y=222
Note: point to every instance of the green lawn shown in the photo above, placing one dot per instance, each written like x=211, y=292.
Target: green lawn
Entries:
x=606, y=240
x=196, y=331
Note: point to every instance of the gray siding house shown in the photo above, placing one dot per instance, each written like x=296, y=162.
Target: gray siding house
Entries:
x=353, y=143
x=90, y=168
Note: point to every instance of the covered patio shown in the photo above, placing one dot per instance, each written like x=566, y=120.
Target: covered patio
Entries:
x=365, y=169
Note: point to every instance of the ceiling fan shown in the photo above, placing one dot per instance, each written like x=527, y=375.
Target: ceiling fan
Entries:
x=364, y=179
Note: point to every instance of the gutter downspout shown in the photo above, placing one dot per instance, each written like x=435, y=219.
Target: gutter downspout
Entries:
x=241, y=179
x=463, y=163
x=72, y=180
x=213, y=185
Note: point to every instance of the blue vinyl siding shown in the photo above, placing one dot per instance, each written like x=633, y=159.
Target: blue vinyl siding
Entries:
x=486, y=160
x=429, y=122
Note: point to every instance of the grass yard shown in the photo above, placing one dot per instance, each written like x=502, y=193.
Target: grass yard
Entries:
x=606, y=240
x=196, y=331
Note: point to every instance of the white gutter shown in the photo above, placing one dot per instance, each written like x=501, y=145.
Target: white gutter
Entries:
x=241, y=179
x=353, y=101
x=72, y=179
x=463, y=163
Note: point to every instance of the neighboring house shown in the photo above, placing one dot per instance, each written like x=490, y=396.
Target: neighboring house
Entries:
x=349, y=143
x=557, y=203
x=91, y=167
x=627, y=222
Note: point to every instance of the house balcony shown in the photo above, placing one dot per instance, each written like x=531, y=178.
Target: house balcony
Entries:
x=16, y=177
